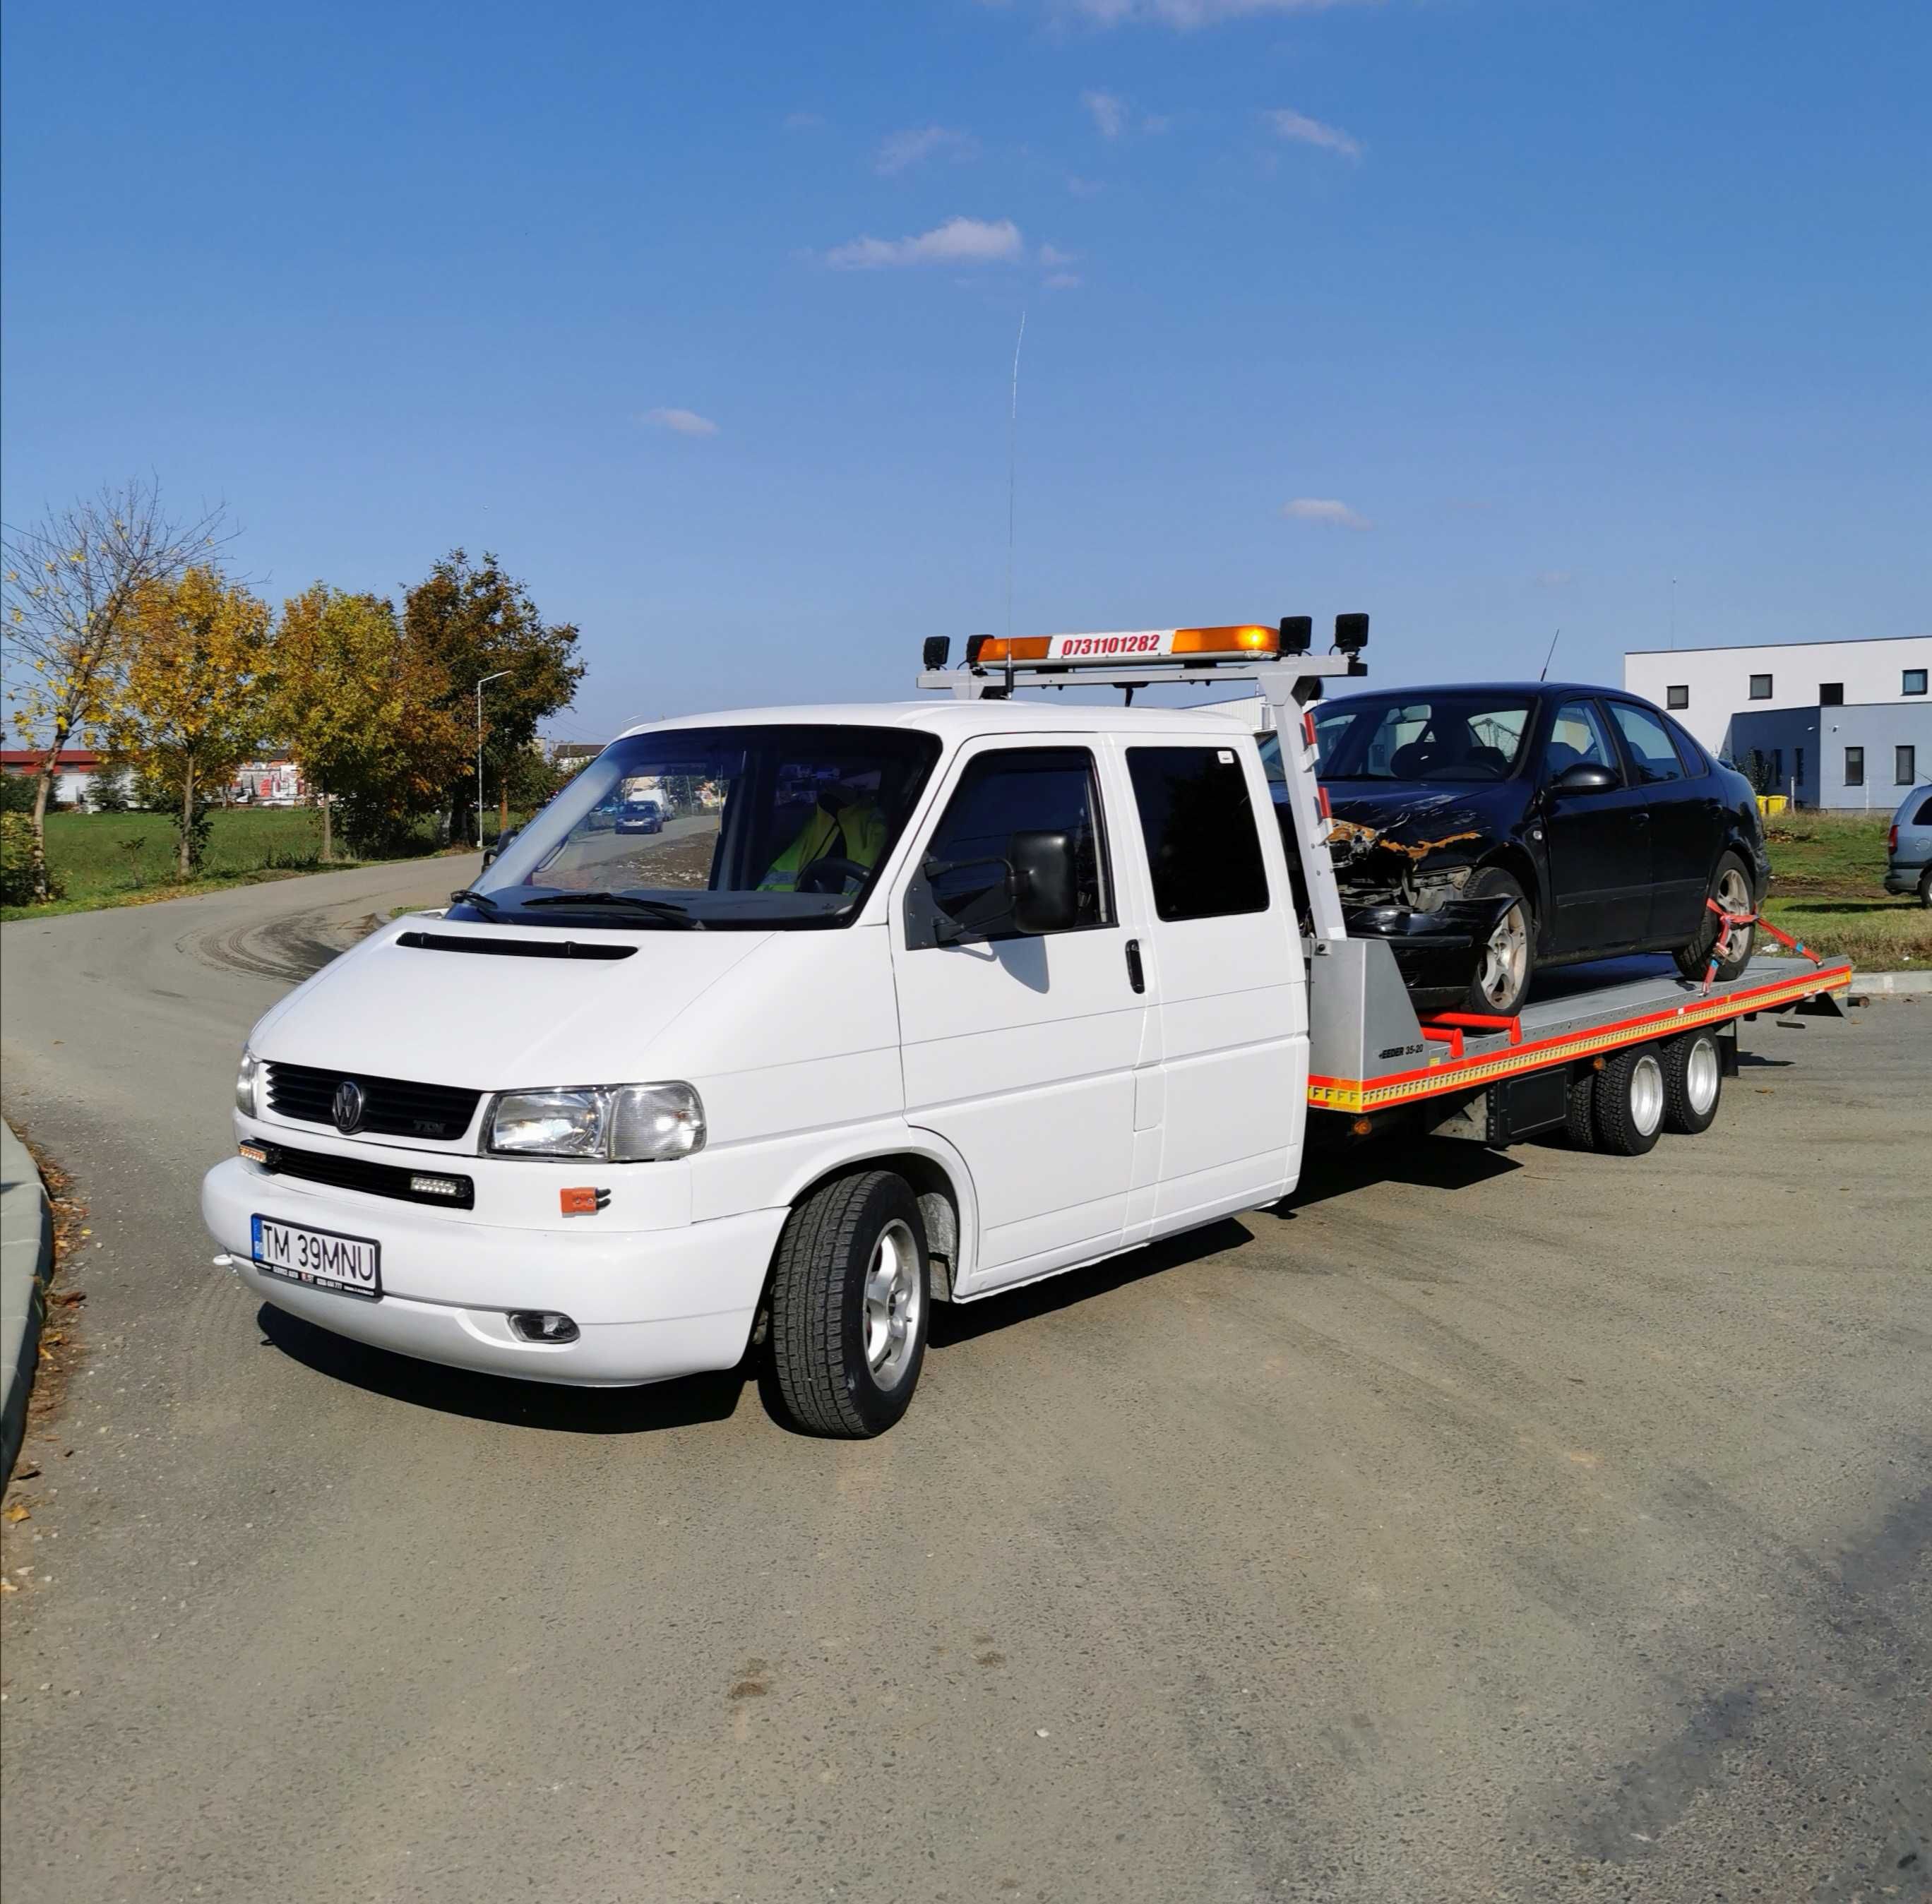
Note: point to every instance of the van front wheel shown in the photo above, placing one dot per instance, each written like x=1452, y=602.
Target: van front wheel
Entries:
x=849, y=1296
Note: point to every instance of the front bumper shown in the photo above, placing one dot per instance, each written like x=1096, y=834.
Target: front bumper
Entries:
x=650, y=1305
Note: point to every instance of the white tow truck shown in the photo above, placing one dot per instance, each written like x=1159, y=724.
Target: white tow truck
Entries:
x=935, y=999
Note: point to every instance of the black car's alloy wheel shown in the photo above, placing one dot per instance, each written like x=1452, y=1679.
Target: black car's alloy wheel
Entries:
x=1731, y=888
x=1507, y=959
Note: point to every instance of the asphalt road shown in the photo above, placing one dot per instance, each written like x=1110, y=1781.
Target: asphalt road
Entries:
x=1554, y=1527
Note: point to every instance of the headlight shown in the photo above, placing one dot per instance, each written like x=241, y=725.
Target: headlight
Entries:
x=244, y=1084
x=623, y=1123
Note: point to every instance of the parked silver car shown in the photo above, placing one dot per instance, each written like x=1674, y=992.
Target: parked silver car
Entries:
x=1909, y=846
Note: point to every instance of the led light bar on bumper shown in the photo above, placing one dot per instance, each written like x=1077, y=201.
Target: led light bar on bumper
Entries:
x=621, y=1123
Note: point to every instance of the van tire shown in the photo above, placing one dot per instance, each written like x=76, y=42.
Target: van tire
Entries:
x=1693, y=1083
x=846, y=1235
x=1631, y=1096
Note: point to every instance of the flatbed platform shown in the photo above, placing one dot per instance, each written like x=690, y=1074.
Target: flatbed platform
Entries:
x=1369, y=1053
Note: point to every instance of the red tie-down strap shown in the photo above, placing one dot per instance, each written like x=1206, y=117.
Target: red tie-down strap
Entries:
x=1727, y=921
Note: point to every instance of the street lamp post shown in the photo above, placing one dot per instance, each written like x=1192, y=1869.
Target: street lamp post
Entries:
x=480, y=686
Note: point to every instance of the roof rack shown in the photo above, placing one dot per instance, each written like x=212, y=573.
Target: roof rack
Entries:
x=1276, y=659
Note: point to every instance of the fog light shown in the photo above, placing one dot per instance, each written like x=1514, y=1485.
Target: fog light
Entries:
x=544, y=1326
x=435, y=1186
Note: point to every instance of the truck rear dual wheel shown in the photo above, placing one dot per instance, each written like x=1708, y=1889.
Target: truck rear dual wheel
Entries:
x=1693, y=1080
x=1629, y=1101
x=849, y=1290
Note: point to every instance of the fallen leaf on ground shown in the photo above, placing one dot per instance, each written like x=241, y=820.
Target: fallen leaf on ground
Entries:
x=18, y=1511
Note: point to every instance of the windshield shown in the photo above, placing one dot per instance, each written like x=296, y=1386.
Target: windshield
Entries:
x=1432, y=739
x=758, y=828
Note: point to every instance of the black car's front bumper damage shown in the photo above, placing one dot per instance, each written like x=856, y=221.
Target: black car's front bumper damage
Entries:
x=1438, y=952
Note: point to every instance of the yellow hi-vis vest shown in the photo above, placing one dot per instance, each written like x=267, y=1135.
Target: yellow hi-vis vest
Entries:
x=858, y=834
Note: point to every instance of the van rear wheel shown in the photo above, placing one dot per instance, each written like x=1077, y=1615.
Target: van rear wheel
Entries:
x=850, y=1292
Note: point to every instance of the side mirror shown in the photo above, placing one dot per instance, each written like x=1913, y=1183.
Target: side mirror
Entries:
x=503, y=839
x=1585, y=777
x=1043, y=885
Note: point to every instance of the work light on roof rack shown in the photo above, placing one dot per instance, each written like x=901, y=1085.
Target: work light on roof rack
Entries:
x=1351, y=633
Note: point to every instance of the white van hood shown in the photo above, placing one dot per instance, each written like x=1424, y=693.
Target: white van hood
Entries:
x=491, y=1022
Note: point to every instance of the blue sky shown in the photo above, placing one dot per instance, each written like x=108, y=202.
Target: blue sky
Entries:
x=703, y=318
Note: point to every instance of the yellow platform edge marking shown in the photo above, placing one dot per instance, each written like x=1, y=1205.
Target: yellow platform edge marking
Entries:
x=1357, y=1094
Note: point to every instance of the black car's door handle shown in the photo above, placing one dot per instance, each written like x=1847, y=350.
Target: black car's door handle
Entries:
x=1135, y=976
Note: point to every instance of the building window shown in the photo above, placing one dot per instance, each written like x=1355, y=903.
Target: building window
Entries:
x=1914, y=682
x=1831, y=694
x=1904, y=766
x=1676, y=698
x=1760, y=687
x=1855, y=766
x=1798, y=770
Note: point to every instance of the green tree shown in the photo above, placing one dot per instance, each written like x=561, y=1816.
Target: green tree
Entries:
x=466, y=622
x=364, y=714
x=188, y=706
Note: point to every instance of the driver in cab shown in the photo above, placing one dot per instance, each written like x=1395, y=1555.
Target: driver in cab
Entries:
x=838, y=845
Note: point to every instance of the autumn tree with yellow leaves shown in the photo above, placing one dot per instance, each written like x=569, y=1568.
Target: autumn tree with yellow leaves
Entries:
x=71, y=581
x=188, y=708
x=365, y=711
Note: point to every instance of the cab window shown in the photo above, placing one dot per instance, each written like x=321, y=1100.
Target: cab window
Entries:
x=1015, y=790
x=1204, y=852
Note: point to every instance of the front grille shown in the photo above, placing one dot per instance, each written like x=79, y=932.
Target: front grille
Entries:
x=358, y=1174
x=391, y=1106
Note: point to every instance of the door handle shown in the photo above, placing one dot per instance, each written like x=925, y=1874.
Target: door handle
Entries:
x=1135, y=976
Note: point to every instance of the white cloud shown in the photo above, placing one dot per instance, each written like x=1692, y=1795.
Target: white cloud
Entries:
x=803, y=121
x=1109, y=110
x=681, y=423
x=1051, y=255
x=1332, y=515
x=1555, y=578
x=1305, y=131
x=1084, y=187
x=958, y=241
x=1063, y=280
x=1186, y=15
x=906, y=148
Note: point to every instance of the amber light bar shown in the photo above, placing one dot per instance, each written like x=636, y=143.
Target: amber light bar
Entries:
x=1125, y=645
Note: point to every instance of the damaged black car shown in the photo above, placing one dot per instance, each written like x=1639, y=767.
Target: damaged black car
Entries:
x=1485, y=832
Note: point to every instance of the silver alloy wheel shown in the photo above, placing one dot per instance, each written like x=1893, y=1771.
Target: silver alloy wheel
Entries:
x=1646, y=1093
x=1700, y=1075
x=1505, y=957
x=1733, y=894
x=892, y=1298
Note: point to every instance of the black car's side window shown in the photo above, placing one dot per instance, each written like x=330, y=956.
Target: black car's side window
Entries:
x=1577, y=734
x=1651, y=751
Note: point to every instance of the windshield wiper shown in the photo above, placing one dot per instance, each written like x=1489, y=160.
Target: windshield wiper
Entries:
x=470, y=896
x=668, y=910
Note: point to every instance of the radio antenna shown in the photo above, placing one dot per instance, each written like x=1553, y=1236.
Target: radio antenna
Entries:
x=1551, y=656
x=1012, y=442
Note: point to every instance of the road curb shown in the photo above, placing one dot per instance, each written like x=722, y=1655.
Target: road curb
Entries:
x=26, y=1260
x=1891, y=985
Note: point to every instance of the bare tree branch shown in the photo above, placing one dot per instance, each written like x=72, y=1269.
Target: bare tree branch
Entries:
x=70, y=582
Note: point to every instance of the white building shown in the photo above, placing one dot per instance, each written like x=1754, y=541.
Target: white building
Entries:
x=1830, y=724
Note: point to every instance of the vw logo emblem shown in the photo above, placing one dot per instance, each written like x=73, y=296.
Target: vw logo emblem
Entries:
x=347, y=1109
